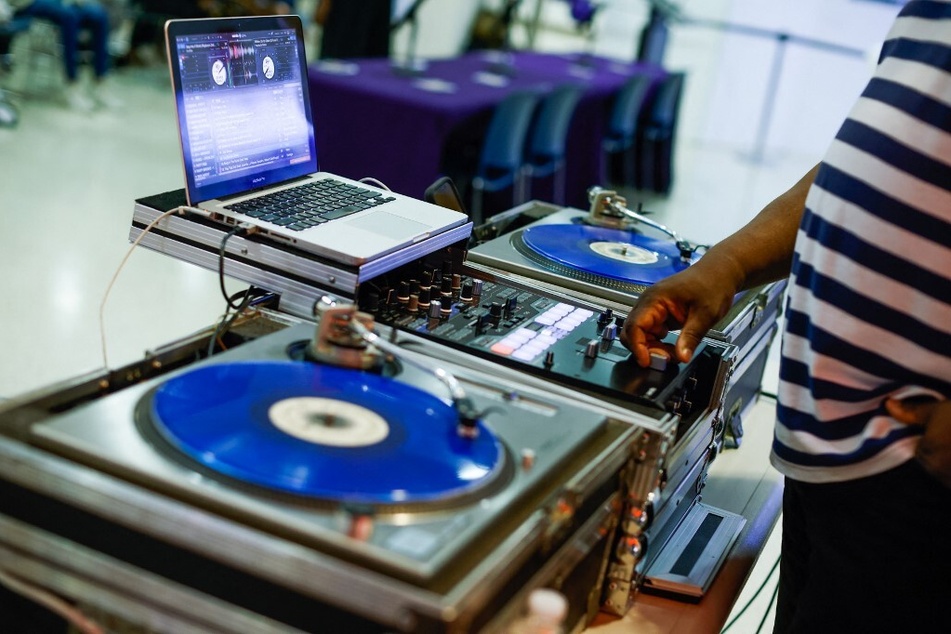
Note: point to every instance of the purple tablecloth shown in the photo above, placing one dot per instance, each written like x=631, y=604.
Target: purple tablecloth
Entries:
x=372, y=122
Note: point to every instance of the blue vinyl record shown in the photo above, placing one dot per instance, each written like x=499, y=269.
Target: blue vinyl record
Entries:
x=612, y=253
x=324, y=431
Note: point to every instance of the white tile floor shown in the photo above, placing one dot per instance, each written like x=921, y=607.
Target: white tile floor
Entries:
x=68, y=181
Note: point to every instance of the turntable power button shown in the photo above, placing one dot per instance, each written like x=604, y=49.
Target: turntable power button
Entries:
x=528, y=458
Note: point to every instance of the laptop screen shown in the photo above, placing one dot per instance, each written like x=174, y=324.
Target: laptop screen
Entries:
x=243, y=106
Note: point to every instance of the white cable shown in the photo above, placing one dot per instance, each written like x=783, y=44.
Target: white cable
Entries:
x=373, y=181
x=105, y=297
x=52, y=602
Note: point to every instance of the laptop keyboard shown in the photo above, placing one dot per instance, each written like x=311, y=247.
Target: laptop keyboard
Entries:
x=309, y=205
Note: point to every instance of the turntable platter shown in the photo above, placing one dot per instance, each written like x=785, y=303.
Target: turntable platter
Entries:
x=323, y=431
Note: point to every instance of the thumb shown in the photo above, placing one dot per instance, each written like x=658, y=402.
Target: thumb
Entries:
x=687, y=342
x=690, y=336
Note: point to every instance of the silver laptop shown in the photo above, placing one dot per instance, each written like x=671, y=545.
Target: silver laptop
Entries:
x=249, y=149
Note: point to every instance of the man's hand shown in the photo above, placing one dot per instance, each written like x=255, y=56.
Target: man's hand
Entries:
x=692, y=301
x=934, y=449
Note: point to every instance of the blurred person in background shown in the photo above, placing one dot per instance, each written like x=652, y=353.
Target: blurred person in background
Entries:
x=75, y=18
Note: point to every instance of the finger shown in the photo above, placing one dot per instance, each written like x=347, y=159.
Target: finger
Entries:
x=641, y=328
x=690, y=336
x=910, y=411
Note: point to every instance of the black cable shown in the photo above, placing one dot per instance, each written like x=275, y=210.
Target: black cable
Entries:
x=221, y=264
x=753, y=598
x=228, y=319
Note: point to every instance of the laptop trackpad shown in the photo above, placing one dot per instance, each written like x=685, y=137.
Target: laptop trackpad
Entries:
x=389, y=225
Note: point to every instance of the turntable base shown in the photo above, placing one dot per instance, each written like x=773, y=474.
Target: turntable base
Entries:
x=143, y=522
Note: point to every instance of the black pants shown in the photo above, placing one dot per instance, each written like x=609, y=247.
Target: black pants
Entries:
x=868, y=555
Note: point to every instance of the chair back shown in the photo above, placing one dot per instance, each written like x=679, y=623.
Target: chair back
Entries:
x=663, y=114
x=627, y=108
x=504, y=146
x=550, y=130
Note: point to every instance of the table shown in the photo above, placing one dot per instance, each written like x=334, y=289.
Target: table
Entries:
x=374, y=122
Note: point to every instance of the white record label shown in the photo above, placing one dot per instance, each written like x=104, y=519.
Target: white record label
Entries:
x=329, y=422
x=624, y=252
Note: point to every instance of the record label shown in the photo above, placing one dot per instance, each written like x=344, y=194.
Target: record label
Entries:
x=324, y=431
x=610, y=253
x=327, y=421
x=624, y=252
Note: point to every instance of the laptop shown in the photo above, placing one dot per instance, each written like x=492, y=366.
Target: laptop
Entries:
x=249, y=149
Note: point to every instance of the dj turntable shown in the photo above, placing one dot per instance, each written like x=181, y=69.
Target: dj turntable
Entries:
x=610, y=252
x=356, y=480
x=609, y=255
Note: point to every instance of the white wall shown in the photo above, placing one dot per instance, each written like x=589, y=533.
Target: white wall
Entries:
x=815, y=87
x=443, y=28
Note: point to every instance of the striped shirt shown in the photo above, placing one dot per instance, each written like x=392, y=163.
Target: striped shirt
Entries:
x=868, y=312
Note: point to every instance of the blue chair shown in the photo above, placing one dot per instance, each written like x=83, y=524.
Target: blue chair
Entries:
x=548, y=138
x=618, y=145
x=502, y=158
x=657, y=147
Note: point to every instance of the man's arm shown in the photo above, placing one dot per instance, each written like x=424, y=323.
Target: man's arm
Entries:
x=699, y=296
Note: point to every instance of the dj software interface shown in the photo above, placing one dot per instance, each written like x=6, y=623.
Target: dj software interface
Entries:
x=231, y=84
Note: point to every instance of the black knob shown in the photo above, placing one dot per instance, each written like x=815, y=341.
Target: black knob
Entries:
x=402, y=293
x=372, y=302
x=466, y=293
x=446, y=287
x=495, y=310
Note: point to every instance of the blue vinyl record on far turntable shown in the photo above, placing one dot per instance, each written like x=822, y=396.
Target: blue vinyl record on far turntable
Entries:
x=610, y=253
x=323, y=431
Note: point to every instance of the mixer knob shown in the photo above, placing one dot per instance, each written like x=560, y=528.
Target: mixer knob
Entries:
x=434, y=307
x=446, y=287
x=425, y=296
x=606, y=317
x=549, y=359
x=466, y=293
x=495, y=310
x=609, y=333
x=476, y=290
x=372, y=302
x=402, y=293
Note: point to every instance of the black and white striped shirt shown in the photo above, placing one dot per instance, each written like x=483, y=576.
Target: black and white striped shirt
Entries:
x=868, y=311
